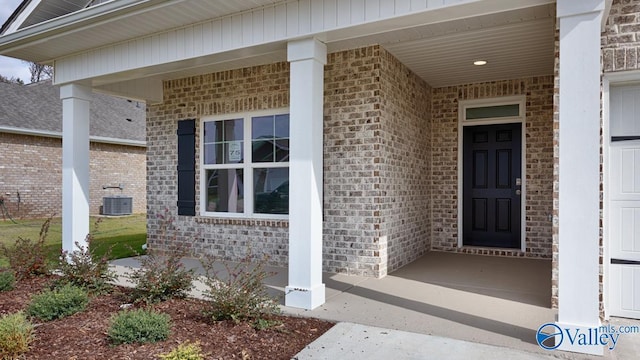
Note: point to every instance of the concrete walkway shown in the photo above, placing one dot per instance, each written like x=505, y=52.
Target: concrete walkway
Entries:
x=442, y=306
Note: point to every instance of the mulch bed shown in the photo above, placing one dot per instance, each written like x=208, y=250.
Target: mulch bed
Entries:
x=84, y=335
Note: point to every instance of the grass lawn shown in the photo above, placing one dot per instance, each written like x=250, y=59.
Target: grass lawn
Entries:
x=125, y=235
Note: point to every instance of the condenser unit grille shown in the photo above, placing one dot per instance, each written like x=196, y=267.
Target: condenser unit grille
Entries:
x=117, y=205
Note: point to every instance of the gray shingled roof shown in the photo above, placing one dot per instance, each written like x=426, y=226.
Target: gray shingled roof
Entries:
x=38, y=107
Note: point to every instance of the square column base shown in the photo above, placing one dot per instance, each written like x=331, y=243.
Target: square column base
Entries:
x=304, y=298
x=583, y=339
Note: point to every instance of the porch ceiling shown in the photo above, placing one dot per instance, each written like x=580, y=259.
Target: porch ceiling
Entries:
x=517, y=43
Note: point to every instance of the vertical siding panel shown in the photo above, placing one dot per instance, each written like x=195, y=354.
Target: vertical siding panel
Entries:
x=188, y=42
x=180, y=46
x=172, y=49
x=147, y=51
x=292, y=18
x=387, y=8
x=236, y=24
x=258, y=26
x=434, y=3
x=402, y=6
x=372, y=9
x=269, y=23
x=227, y=33
x=155, y=41
x=317, y=15
x=281, y=21
x=418, y=5
x=112, y=59
x=218, y=34
x=197, y=39
x=208, y=34
x=140, y=52
x=343, y=13
x=247, y=28
x=304, y=17
x=357, y=11
x=329, y=13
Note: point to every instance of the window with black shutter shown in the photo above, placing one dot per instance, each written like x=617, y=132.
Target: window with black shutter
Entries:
x=187, y=167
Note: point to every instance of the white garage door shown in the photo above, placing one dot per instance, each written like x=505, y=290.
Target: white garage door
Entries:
x=624, y=202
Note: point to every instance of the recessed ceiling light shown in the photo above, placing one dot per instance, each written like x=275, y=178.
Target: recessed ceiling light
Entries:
x=480, y=62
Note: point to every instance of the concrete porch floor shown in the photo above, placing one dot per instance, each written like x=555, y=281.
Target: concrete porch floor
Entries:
x=491, y=300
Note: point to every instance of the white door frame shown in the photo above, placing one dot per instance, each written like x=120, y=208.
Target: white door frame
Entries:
x=619, y=78
x=521, y=100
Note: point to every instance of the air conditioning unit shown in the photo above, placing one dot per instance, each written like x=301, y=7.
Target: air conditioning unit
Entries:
x=117, y=205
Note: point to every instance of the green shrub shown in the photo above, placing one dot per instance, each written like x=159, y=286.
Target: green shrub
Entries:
x=138, y=326
x=85, y=268
x=28, y=258
x=7, y=280
x=239, y=295
x=185, y=351
x=60, y=302
x=16, y=332
x=161, y=277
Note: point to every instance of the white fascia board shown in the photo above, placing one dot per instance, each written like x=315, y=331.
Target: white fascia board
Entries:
x=58, y=135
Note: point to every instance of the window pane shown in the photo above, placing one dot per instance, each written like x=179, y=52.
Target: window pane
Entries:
x=271, y=191
x=262, y=151
x=233, y=130
x=262, y=127
x=282, y=126
x=487, y=112
x=282, y=150
x=225, y=190
x=212, y=153
x=212, y=131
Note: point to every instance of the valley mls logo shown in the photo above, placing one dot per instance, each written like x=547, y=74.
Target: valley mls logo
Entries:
x=546, y=336
x=550, y=336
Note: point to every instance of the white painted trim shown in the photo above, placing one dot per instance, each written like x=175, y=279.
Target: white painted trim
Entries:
x=33, y=4
x=58, y=135
x=521, y=100
x=608, y=80
x=247, y=167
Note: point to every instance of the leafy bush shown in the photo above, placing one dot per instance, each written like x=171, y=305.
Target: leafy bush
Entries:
x=138, y=326
x=16, y=332
x=7, y=280
x=185, y=351
x=161, y=277
x=27, y=258
x=85, y=268
x=58, y=303
x=241, y=294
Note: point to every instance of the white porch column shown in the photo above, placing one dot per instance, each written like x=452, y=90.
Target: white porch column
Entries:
x=307, y=59
x=75, y=165
x=579, y=169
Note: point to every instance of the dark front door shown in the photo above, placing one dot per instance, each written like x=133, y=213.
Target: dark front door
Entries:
x=492, y=185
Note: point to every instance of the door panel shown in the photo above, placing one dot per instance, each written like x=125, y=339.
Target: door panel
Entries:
x=491, y=195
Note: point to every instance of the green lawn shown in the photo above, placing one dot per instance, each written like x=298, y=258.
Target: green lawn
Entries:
x=125, y=235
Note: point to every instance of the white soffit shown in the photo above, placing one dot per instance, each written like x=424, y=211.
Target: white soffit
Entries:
x=515, y=44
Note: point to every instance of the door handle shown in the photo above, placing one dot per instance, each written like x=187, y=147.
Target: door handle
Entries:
x=518, y=192
x=518, y=182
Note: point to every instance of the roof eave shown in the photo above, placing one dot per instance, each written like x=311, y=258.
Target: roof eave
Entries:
x=76, y=21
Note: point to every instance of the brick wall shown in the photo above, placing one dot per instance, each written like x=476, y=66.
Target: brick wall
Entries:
x=621, y=37
x=406, y=165
x=32, y=166
x=539, y=162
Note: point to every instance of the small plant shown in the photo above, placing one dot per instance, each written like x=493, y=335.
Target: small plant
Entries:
x=161, y=278
x=241, y=294
x=16, y=332
x=85, y=268
x=60, y=302
x=138, y=326
x=7, y=280
x=28, y=258
x=185, y=351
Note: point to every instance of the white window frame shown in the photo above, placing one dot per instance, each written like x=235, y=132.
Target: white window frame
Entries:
x=247, y=166
x=463, y=105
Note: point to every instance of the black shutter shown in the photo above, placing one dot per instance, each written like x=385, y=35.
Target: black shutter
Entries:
x=187, y=167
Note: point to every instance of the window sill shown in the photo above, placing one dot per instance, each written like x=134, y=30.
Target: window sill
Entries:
x=278, y=223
